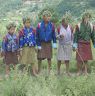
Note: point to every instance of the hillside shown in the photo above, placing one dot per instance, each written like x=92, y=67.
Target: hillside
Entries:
x=75, y=6
x=16, y=9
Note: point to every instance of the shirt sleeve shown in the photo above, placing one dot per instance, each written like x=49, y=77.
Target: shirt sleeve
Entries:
x=58, y=33
x=4, y=43
x=53, y=34
x=37, y=36
x=75, y=38
x=93, y=35
x=34, y=34
x=20, y=38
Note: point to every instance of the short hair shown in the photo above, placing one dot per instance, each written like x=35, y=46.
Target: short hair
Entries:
x=25, y=19
x=86, y=14
x=10, y=25
x=47, y=13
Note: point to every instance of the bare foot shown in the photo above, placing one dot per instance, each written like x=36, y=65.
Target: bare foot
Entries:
x=58, y=73
x=6, y=76
x=68, y=74
x=85, y=73
x=79, y=73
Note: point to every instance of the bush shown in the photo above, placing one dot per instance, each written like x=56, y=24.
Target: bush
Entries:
x=52, y=85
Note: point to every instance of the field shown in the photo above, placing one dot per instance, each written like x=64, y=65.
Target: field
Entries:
x=23, y=84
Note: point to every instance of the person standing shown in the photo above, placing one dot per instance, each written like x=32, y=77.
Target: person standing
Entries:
x=84, y=32
x=45, y=36
x=27, y=43
x=65, y=38
x=10, y=47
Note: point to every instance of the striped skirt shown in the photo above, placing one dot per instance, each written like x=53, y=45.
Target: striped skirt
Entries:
x=64, y=52
x=46, y=51
x=11, y=58
x=84, y=51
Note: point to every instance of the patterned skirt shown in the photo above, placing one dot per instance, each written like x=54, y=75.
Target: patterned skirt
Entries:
x=29, y=56
x=46, y=51
x=84, y=51
x=64, y=52
x=11, y=58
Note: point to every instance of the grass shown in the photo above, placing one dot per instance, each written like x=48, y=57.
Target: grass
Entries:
x=23, y=84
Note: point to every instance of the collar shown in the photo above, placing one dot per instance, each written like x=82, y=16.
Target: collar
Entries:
x=65, y=26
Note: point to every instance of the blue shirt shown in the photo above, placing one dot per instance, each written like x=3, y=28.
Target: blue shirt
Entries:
x=45, y=33
x=27, y=37
x=10, y=43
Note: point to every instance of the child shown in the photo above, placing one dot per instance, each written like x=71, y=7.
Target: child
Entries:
x=82, y=45
x=10, y=47
x=45, y=36
x=65, y=37
x=27, y=43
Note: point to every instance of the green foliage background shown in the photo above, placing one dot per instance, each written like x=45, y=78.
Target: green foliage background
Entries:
x=22, y=84
x=15, y=10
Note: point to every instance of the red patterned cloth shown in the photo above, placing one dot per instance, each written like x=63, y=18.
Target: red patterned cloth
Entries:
x=46, y=51
x=11, y=58
x=84, y=51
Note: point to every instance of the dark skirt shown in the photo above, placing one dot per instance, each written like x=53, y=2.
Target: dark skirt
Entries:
x=46, y=51
x=11, y=58
x=84, y=51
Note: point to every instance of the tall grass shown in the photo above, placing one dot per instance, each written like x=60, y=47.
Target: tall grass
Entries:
x=21, y=84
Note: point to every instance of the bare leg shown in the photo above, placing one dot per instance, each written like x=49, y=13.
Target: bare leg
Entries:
x=58, y=67
x=79, y=67
x=14, y=66
x=7, y=69
x=34, y=69
x=67, y=67
x=49, y=65
x=85, y=66
x=39, y=65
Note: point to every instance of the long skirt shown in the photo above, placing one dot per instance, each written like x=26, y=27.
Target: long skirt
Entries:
x=64, y=52
x=84, y=51
x=46, y=51
x=11, y=58
x=29, y=56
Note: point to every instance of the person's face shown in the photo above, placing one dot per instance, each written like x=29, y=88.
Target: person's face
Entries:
x=46, y=18
x=12, y=30
x=27, y=24
x=86, y=19
x=65, y=22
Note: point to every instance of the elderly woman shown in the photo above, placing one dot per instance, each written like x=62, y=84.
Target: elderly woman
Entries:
x=65, y=38
x=84, y=32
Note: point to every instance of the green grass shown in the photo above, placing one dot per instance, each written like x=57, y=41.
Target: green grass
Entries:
x=23, y=84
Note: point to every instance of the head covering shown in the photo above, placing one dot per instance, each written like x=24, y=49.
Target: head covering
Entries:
x=66, y=17
x=86, y=15
x=25, y=19
x=47, y=13
x=10, y=25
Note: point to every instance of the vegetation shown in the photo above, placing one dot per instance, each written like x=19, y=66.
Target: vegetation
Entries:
x=23, y=84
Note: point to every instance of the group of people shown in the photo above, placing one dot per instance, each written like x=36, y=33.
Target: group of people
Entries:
x=34, y=45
